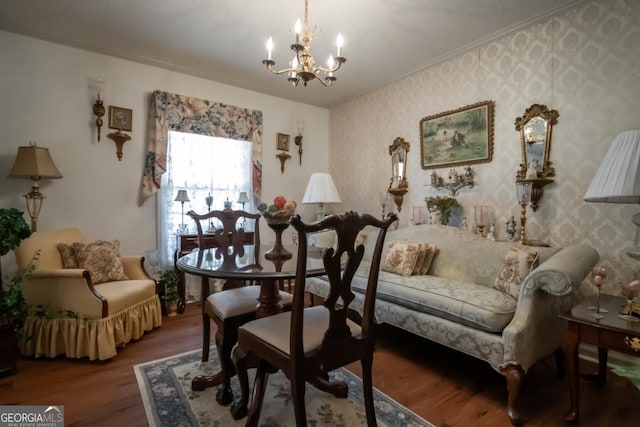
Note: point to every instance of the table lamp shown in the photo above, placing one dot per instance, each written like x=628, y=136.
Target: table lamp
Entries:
x=182, y=197
x=35, y=163
x=618, y=179
x=243, y=198
x=321, y=189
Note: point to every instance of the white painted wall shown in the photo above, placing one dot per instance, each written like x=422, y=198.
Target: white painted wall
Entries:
x=46, y=98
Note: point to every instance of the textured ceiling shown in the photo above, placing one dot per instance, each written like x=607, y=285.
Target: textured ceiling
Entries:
x=224, y=40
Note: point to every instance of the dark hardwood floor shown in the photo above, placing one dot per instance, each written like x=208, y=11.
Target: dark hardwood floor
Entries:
x=443, y=386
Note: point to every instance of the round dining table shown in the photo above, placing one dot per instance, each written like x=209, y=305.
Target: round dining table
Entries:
x=250, y=266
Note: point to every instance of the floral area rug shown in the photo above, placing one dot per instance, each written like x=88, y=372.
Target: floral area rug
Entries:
x=165, y=388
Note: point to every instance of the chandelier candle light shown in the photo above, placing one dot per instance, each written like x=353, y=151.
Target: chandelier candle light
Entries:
x=303, y=66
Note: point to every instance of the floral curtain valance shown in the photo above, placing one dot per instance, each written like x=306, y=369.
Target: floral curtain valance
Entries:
x=168, y=111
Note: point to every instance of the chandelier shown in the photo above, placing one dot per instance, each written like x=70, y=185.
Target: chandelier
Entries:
x=302, y=66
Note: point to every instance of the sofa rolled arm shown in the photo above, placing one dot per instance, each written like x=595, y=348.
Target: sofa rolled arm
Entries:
x=536, y=329
x=563, y=272
x=65, y=289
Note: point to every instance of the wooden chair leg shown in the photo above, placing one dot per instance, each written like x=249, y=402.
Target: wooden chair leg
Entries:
x=224, y=345
x=257, y=397
x=240, y=361
x=367, y=388
x=297, y=396
x=559, y=356
x=206, y=332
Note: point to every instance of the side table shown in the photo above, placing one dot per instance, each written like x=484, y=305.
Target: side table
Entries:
x=609, y=333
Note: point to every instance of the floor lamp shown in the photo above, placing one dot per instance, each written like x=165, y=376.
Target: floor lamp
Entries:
x=35, y=163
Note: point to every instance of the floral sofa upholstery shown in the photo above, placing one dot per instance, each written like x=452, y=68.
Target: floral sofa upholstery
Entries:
x=86, y=315
x=456, y=305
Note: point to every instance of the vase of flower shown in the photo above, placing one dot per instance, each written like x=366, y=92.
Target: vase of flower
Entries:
x=442, y=204
x=277, y=217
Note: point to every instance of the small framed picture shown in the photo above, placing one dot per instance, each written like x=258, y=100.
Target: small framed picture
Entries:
x=120, y=118
x=282, y=142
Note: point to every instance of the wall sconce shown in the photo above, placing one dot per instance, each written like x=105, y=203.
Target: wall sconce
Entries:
x=455, y=181
x=120, y=119
x=298, y=139
x=97, y=86
x=283, y=158
x=35, y=163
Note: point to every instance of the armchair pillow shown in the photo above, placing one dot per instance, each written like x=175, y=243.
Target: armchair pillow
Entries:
x=102, y=259
x=518, y=263
x=68, y=255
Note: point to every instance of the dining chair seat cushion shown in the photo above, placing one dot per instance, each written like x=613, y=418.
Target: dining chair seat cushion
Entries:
x=238, y=301
x=275, y=329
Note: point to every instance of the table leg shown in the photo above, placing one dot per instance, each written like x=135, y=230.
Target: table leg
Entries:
x=602, y=367
x=268, y=299
x=571, y=344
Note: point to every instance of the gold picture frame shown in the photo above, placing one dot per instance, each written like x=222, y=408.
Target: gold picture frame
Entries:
x=458, y=137
x=120, y=118
x=282, y=141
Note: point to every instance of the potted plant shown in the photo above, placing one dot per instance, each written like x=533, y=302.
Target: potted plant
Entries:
x=13, y=307
x=170, y=279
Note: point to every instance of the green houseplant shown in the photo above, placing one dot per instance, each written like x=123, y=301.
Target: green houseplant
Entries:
x=13, y=307
x=170, y=279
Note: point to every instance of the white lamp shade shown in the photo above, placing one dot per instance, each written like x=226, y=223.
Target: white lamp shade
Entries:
x=182, y=196
x=321, y=189
x=618, y=178
x=243, y=197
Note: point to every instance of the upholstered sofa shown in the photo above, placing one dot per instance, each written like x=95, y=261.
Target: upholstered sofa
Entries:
x=456, y=304
x=75, y=312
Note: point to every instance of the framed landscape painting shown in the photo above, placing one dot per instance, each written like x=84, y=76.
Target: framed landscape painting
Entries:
x=459, y=137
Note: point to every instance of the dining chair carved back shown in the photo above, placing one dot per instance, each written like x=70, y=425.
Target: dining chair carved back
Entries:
x=308, y=342
x=235, y=304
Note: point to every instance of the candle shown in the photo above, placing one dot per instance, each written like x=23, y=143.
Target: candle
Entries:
x=339, y=43
x=297, y=28
x=269, y=48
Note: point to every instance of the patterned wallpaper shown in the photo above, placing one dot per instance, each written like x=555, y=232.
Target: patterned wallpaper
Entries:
x=585, y=64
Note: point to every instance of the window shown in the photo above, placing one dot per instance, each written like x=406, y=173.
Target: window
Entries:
x=202, y=165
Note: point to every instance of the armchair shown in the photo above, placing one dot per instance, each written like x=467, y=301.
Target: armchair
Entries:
x=106, y=315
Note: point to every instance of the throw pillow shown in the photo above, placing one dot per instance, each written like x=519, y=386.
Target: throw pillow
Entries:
x=422, y=252
x=517, y=264
x=102, y=259
x=68, y=255
x=401, y=257
x=430, y=253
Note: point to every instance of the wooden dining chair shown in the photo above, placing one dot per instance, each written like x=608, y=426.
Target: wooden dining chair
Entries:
x=308, y=342
x=231, y=307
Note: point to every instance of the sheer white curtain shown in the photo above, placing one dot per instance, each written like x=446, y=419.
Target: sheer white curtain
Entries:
x=202, y=165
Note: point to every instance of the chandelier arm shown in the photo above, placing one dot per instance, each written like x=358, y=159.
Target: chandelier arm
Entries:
x=270, y=64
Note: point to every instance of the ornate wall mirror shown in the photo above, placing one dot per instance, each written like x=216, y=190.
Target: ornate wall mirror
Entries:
x=536, y=127
x=398, y=186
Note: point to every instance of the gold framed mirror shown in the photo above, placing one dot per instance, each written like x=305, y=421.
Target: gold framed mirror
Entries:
x=399, y=186
x=536, y=129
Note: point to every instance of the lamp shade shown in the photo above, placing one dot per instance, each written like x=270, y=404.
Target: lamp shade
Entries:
x=618, y=178
x=321, y=189
x=243, y=197
x=34, y=162
x=182, y=196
